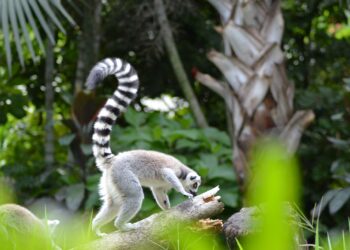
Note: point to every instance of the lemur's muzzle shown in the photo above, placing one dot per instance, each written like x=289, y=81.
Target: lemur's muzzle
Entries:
x=193, y=193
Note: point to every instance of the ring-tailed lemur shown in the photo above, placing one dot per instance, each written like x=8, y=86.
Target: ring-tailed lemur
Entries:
x=123, y=175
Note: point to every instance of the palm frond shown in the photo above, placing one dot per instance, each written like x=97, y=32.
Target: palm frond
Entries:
x=20, y=18
x=6, y=33
x=24, y=28
x=15, y=29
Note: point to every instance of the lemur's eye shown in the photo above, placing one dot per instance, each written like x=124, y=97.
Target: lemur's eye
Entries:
x=195, y=185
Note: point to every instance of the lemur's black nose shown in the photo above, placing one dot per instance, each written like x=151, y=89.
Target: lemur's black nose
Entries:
x=193, y=193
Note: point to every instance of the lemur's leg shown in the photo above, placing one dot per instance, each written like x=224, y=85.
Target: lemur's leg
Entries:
x=106, y=214
x=161, y=197
x=170, y=177
x=132, y=196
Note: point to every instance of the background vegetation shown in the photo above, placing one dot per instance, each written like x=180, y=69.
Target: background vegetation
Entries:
x=316, y=45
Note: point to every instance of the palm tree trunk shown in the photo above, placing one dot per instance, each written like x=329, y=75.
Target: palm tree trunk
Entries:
x=255, y=87
x=177, y=64
x=49, y=101
x=88, y=42
x=88, y=52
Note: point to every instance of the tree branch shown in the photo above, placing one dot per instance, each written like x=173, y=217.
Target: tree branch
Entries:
x=150, y=230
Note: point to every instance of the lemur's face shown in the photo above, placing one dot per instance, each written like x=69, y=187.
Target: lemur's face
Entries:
x=192, y=182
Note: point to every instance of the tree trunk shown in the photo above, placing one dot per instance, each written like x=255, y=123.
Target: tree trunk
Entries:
x=88, y=53
x=255, y=88
x=88, y=42
x=152, y=232
x=248, y=222
x=177, y=64
x=49, y=101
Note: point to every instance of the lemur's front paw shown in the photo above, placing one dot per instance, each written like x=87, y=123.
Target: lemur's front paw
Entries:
x=100, y=234
x=188, y=195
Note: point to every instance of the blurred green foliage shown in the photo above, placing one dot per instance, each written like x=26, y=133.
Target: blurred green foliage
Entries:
x=184, y=236
x=275, y=182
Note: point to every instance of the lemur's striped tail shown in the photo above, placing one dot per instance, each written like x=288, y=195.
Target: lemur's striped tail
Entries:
x=128, y=83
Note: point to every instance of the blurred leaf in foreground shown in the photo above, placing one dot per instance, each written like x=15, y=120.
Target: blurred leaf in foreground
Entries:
x=275, y=181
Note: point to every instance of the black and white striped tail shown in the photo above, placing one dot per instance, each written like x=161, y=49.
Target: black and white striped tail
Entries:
x=128, y=83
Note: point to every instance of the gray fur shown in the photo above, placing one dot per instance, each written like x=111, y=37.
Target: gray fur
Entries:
x=161, y=197
x=123, y=175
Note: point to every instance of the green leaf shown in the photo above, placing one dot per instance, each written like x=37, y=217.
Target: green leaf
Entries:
x=339, y=199
x=16, y=108
x=325, y=200
x=92, y=182
x=160, y=120
x=135, y=118
x=347, y=81
x=66, y=140
x=173, y=135
x=157, y=133
x=229, y=198
x=86, y=148
x=340, y=144
x=217, y=135
x=187, y=144
x=222, y=173
x=75, y=195
x=209, y=160
x=92, y=200
x=142, y=145
x=317, y=235
x=239, y=244
x=203, y=171
x=131, y=135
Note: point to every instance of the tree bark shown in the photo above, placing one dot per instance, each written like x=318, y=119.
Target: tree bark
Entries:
x=49, y=101
x=255, y=88
x=248, y=221
x=152, y=230
x=177, y=64
x=88, y=42
x=88, y=53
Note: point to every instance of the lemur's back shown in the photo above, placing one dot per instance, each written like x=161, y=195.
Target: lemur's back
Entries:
x=146, y=163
